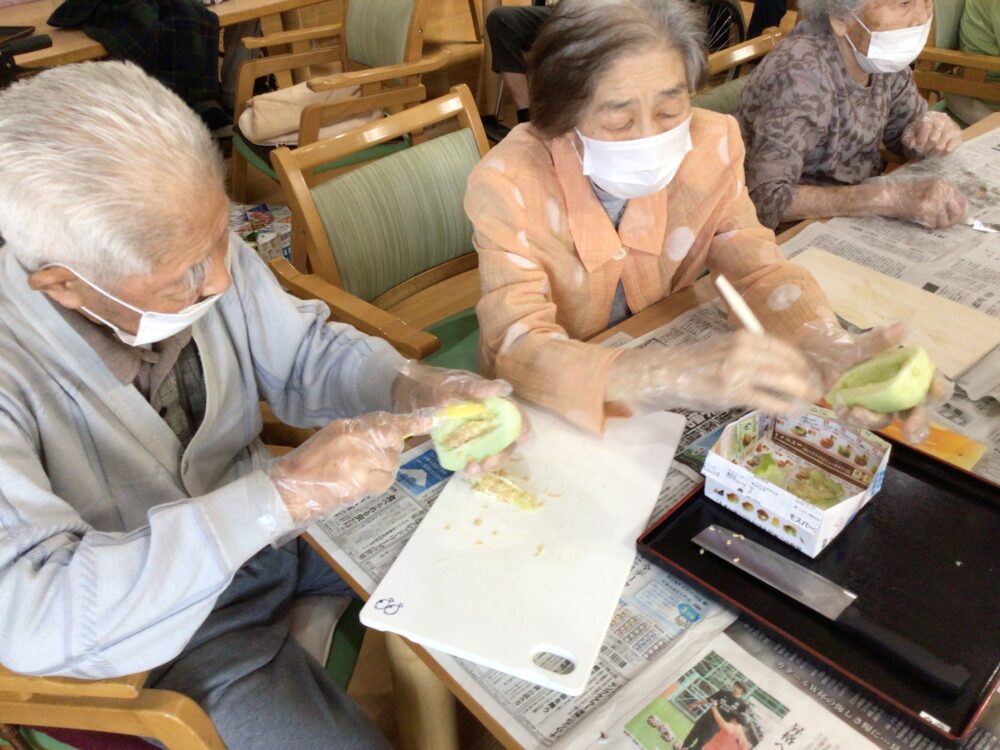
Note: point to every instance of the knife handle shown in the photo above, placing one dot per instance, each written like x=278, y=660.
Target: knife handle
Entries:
x=921, y=662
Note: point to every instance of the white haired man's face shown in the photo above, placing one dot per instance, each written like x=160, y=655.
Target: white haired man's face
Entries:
x=882, y=15
x=199, y=254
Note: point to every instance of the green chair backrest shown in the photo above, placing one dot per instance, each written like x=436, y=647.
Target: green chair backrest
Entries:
x=724, y=98
x=400, y=215
x=947, y=19
x=377, y=31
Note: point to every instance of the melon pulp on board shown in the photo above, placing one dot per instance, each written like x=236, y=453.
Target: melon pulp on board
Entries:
x=890, y=382
x=471, y=431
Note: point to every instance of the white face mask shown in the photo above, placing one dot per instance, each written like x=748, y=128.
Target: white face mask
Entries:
x=641, y=166
x=891, y=51
x=153, y=326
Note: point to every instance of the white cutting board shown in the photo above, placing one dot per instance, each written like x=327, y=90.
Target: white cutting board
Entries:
x=488, y=582
x=955, y=336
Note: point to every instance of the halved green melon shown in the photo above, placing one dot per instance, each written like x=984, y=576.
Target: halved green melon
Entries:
x=895, y=380
x=471, y=431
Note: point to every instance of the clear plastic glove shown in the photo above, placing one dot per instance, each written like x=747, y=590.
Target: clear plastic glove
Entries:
x=421, y=387
x=736, y=369
x=934, y=134
x=344, y=462
x=835, y=351
x=933, y=203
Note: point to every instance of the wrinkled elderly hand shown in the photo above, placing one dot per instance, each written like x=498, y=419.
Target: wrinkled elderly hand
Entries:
x=422, y=387
x=344, y=462
x=835, y=351
x=934, y=134
x=737, y=369
x=933, y=203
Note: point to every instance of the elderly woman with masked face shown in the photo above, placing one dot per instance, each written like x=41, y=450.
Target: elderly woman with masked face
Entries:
x=816, y=111
x=616, y=195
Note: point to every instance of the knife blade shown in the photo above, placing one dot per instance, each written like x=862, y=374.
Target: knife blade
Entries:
x=983, y=226
x=832, y=601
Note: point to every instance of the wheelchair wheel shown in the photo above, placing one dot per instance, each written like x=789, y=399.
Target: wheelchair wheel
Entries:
x=725, y=25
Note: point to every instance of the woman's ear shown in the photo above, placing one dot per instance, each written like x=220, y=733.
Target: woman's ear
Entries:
x=60, y=284
x=839, y=26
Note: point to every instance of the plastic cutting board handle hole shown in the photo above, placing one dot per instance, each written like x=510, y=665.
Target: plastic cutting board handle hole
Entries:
x=552, y=662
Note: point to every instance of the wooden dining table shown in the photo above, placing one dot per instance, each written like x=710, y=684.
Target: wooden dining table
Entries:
x=72, y=45
x=435, y=733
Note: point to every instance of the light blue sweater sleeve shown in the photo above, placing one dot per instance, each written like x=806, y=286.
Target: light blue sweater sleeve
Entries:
x=309, y=371
x=85, y=603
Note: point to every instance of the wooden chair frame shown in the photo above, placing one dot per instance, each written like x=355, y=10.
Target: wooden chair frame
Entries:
x=120, y=705
x=939, y=71
x=295, y=170
x=390, y=87
x=748, y=51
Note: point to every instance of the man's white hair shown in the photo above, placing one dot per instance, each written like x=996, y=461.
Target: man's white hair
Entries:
x=99, y=164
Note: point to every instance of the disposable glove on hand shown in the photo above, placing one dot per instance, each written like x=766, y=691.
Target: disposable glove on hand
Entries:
x=736, y=369
x=933, y=134
x=347, y=460
x=835, y=351
x=420, y=387
x=932, y=203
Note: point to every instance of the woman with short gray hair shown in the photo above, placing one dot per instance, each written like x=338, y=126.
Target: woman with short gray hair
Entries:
x=819, y=107
x=616, y=195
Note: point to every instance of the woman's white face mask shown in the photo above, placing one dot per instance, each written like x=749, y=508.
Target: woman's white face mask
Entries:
x=891, y=51
x=637, y=167
x=153, y=326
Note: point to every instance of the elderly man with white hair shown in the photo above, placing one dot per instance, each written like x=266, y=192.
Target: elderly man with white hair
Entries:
x=143, y=525
x=817, y=109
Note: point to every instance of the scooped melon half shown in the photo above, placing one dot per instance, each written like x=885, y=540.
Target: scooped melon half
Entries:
x=890, y=382
x=471, y=431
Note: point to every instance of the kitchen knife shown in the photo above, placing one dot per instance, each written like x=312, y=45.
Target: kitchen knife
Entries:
x=983, y=226
x=830, y=600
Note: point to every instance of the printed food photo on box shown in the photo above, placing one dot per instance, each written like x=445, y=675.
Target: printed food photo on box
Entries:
x=801, y=479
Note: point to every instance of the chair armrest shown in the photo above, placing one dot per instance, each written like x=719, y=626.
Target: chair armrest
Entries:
x=963, y=59
x=296, y=35
x=112, y=687
x=345, y=307
x=383, y=73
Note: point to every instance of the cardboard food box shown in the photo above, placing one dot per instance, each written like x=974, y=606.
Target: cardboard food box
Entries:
x=763, y=468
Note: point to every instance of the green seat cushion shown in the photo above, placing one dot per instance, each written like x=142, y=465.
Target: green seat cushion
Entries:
x=260, y=156
x=394, y=218
x=459, y=337
x=724, y=98
x=346, y=645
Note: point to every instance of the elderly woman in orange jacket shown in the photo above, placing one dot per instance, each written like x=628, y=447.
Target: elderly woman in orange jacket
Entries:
x=617, y=194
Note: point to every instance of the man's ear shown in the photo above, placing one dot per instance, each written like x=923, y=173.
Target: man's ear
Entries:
x=60, y=284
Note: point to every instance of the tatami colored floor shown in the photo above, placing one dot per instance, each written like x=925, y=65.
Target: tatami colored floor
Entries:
x=450, y=25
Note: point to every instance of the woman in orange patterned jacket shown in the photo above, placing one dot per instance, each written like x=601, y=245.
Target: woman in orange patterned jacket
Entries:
x=617, y=194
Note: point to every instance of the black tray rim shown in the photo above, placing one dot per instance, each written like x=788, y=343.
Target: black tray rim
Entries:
x=643, y=545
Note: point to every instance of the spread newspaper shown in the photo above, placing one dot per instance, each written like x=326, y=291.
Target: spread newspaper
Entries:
x=677, y=669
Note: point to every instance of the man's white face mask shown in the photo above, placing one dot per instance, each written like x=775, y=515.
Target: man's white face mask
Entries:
x=153, y=326
x=891, y=51
x=641, y=166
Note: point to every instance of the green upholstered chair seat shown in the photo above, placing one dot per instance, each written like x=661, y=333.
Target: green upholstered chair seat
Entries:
x=394, y=218
x=259, y=157
x=724, y=98
x=459, y=337
x=376, y=31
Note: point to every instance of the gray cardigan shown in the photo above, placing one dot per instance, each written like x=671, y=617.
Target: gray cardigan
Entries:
x=114, y=541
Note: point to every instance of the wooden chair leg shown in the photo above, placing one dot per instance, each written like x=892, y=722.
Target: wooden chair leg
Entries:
x=12, y=737
x=477, y=18
x=424, y=705
x=238, y=176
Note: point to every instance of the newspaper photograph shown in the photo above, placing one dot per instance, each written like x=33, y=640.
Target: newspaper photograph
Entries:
x=725, y=699
x=849, y=706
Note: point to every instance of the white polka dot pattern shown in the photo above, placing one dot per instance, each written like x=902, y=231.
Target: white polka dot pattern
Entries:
x=784, y=297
